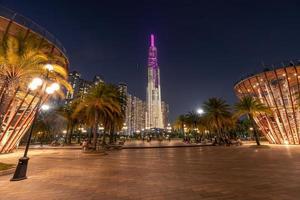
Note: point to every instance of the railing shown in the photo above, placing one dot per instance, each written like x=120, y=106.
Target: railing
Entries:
x=287, y=63
x=20, y=19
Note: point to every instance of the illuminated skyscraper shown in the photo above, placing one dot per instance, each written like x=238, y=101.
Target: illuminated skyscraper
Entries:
x=154, y=112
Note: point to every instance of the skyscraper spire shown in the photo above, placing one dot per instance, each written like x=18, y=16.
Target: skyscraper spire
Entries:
x=152, y=40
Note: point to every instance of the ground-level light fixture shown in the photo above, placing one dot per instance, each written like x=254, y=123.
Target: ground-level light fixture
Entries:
x=286, y=142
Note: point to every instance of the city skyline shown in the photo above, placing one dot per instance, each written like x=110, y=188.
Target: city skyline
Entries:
x=85, y=88
x=211, y=51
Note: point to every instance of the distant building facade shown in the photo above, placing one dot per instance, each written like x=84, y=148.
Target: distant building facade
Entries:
x=79, y=85
x=134, y=112
x=165, y=113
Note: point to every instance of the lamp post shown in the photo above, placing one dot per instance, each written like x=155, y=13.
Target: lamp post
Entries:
x=169, y=128
x=124, y=128
x=21, y=169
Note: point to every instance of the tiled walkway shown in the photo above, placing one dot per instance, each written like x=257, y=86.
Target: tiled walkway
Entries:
x=173, y=173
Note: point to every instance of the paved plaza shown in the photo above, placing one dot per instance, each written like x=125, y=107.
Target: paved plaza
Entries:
x=167, y=173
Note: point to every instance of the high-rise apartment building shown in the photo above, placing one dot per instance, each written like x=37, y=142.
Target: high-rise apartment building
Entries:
x=80, y=86
x=134, y=110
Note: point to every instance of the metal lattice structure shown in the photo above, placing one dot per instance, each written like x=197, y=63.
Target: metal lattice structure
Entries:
x=279, y=90
x=17, y=113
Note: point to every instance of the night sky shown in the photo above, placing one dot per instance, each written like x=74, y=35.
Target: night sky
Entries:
x=204, y=47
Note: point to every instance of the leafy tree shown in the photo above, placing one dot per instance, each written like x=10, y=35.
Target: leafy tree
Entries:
x=68, y=113
x=217, y=113
x=99, y=106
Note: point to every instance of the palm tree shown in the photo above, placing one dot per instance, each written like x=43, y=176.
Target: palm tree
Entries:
x=217, y=113
x=192, y=120
x=23, y=58
x=99, y=105
x=250, y=107
x=114, y=124
x=180, y=122
x=67, y=112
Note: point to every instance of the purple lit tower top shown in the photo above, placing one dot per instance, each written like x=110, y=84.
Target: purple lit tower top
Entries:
x=152, y=61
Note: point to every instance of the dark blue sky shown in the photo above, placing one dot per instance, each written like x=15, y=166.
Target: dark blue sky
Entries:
x=204, y=47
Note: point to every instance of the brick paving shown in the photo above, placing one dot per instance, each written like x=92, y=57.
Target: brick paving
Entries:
x=170, y=173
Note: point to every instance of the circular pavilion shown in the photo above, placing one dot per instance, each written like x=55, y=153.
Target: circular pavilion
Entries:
x=278, y=88
x=19, y=113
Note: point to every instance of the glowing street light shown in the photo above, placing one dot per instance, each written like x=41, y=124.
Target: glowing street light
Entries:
x=101, y=128
x=200, y=111
x=35, y=83
x=45, y=107
x=52, y=88
x=55, y=86
x=169, y=128
x=125, y=126
x=49, y=67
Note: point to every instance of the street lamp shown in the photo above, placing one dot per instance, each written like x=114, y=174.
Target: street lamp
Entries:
x=45, y=107
x=21, y=169
x=124, y=128
x=35, y=83
x=49, y=67
x=169, y=128
x=101, y=128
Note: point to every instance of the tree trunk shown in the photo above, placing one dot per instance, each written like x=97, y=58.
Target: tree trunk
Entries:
x=111, y=136
x=78, y=138
x=94, y=137
x=90, y=135
x=71, y=134
x=255, y=133
x=256, y=137
x=67, y=133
